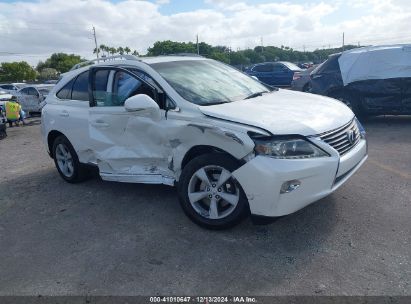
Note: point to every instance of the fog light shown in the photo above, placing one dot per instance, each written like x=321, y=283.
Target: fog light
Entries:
x=289, y=186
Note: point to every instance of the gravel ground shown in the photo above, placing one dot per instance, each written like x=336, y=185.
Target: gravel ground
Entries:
x=104, y=238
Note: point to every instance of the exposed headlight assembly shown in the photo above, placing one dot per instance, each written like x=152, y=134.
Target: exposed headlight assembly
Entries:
x=287, y=148
x=361, y=128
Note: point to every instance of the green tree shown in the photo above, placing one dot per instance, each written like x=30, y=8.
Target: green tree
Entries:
x=17, y=71
x=120, y=50
x=48, y=73
x=60, y=61
x=127, y=50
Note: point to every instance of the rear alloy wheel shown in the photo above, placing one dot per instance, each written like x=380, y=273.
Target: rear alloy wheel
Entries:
x=66, y=161
x=209, y=194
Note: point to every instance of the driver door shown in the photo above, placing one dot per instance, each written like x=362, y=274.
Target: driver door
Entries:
x=125, y=144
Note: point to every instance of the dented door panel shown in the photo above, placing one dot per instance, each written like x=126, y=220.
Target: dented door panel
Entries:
x=128, y=144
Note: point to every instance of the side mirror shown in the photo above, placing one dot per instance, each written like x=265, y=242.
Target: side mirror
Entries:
x=143, y=103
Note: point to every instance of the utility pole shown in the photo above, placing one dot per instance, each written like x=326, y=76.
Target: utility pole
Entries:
x=343, y=45
x=198, y=47
x=95, y=41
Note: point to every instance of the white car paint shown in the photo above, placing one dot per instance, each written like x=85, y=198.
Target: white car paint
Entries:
x=145, y=148
x=285, y=112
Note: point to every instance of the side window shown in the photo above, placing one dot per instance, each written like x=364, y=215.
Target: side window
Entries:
x=123, y=85
x=100, y=89
x=80, y=87
x=33, y=92
x=25, y=91
x=279, y=68
x=263, y=68
x=65, y=92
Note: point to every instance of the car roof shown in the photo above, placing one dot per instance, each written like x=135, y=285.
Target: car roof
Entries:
x=128, y=61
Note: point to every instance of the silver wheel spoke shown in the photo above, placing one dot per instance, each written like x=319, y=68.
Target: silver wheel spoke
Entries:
x=212, y=192
x=201, y=174
x=224, y=176
x=70, y=167
x=213, y=212
x=59, y=156
x=229, y=198
x=196, y=196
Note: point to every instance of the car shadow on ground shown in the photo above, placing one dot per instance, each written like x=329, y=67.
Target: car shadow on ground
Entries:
x=140, y=226
x=387, y=120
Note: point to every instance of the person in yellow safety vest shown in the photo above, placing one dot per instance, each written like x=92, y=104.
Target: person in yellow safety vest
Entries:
x=13, y=111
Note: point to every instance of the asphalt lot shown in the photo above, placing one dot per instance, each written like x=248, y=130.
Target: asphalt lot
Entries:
x=104, y=238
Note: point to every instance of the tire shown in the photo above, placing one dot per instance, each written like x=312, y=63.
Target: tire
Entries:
x=307, y=88
x=199, y=190
x=66, y=161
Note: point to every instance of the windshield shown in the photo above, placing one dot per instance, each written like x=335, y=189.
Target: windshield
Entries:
x=207, y=82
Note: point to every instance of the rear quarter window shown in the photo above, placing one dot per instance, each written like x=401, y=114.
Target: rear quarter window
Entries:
x=65, y=92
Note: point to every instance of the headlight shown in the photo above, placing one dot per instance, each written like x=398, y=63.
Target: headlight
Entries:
x=288, y=148
x=360, y=128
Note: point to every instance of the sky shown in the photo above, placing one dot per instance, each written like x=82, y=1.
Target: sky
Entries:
x=32, y=30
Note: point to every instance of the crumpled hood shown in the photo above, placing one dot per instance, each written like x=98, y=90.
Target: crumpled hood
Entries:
x=285, y=112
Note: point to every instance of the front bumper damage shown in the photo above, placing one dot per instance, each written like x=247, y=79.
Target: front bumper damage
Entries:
x=262, y=178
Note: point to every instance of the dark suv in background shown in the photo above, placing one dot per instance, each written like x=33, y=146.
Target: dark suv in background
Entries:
x=365, y=83
x=278, y=74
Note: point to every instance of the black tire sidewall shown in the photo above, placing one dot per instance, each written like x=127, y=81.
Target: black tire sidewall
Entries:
x=217, y=159
x=77, y=175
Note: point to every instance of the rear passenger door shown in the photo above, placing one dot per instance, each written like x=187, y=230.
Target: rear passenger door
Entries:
x=126, y=145
x=69, y=109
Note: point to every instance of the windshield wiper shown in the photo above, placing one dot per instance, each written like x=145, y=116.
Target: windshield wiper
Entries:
x=256, y=95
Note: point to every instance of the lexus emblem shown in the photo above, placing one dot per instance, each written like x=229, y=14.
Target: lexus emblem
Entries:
x=351, y=136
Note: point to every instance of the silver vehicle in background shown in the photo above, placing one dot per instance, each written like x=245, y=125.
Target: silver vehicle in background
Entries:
x=12, y=88
x=31, y=98
x=302, y=81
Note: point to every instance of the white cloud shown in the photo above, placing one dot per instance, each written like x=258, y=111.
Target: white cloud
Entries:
x=40, y=28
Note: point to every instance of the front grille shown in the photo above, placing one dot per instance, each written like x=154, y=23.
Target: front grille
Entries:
x=339, y=138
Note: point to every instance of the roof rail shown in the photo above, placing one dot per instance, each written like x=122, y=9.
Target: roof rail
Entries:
x=103, y=59
x=184, y=55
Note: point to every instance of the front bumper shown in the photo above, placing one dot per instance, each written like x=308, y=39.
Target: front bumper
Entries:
x=262, y=177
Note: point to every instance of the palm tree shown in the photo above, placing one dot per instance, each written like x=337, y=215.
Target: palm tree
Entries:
x=135, y=53
x=103, y=48
x=127, y=50
x=120, y=50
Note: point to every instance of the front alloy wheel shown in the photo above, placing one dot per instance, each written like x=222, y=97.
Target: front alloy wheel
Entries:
x=213, y=192
x=209, y=194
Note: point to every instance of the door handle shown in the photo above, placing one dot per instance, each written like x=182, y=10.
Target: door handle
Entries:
x=64, y=114
x=100, y=124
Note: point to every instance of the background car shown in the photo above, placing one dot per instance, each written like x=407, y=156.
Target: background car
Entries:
x=12, y=87
x=365, y=82
x=4, y=96
x=301, y=80
x=31, y=97
x=274, y=73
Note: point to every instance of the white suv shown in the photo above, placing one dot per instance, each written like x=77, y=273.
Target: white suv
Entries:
x=230, y=144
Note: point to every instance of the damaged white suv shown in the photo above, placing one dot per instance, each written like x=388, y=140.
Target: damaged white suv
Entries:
x=230, y=144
